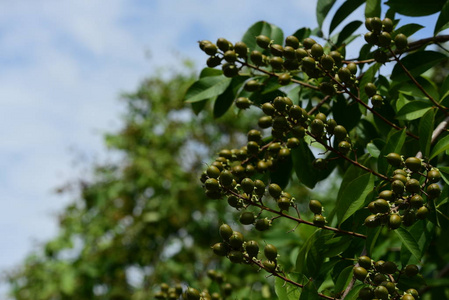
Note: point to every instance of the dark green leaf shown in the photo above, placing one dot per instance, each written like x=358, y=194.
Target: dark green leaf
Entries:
x=347, y=31
x=372, y=236
x=409, y=242
x=322, y=9
x=286, y=291
x=416, y=63
x=341, y=111
x=354, y=293
x=343, y=12
x=408, y=29
x=302, y=163
x=197, y=107
x=352, y=198
x=416, y=8
x=309, y=292
x=441, y=146
x=283, y=172
x=225, y=100
x=302, y=33
x=425, y=131
x=414, y=110
x=409, y=88
x=343, y=279
x=206, y=88
x=262, y=28
x=372, y=8
x=443, y=19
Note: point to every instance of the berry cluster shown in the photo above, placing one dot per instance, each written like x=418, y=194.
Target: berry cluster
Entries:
x=413, y=186
x=381, y=279
x=176, y=292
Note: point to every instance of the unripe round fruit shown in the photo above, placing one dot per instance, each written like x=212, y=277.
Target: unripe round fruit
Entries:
x=337, y=57
x=397, y=186
x=251, y=85
x=331, y=124
x=213, y=172
x=327, y=88
x=379, y=278
x=352, y=67
x=254, y=135
x=225, y=231
x=289, y=52
x=230, y=56
x=317, y=127
x=394, y=221
x=235, y=202
x=263, y=41
x=291, y=64
x=377, y=100
x=315, y=206
x=371, y=221
x=422, y=213
x=407, y=297
x=276, y=49
x=230, y=70
x=259, y=186
x=298, y=131
x=371, y=38
x=387, y=195
x=345, y=75
x=371, y=90
x=192, y=294
x=394, y=159
x=400, y=171
x=269, y=265
x=381, y=206
x=262, y=166
x=262, y=224
x=413, y=292
x=283, y=203
x=389, y=267
x=319, y=220
x=412, y=186
x=327, y=62
x=344, y=147
x=409, y=218
x=413, y=164
x=212, y=184
x=292, y=41
x=378, y=265
x=433, y=190
x=223, y=44
x=380, y=56
x=236, y=240
x=256, y=57
x=384, y=39
x=400, y=177
x=319, y=164
x=220, y=249
x=277, y=63
x=203, y=44
x=433, y=176
x=284, y=153
x=213, y=61
x=365, y=262
x=241, y=49
x=387, y=25
x=366, y=293
x=284, y=79
x=243, y=102
x=401, y=41
x=416, y=201
x=265, y=121
x=317, y=50
x=268, y=108
x=301, y=53
x=210, y=49
x=321, y=116
x=247, y=185
x=360, y=273
x=381, y=292
x=274, y=190
x=270, y=252
x=252, y=248
x=274, y=147
x=411, y=270
x=308, y=63
x=235, y=257
x=293, y=143
x=391, y=287
x=247, y=218
x=340, y=133
x=308, y=43
x=376, y=24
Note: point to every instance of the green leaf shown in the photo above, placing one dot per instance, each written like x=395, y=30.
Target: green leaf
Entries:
x=309, y=292
x=262, y=28
x=347, y=31
x=354, y=293
x=302, y=163
x=408, y=29
x=443, y=19
x=409, y=242
x=352, y=198
x=416, y=63
x=394, y=144
x=225, y=99
x=416, y=8
x=425, y=131
x=206, y=88
x=343, y=12
x=414, y=110
x=302, y=33
x=441, y=146
x=409, y=88
x=343, y=279
x=286, y=291
x=372, y=8
x=322, y=9
x=372, y=235
x=373, y=150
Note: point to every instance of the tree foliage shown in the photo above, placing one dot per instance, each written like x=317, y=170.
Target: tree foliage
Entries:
x=328, y=175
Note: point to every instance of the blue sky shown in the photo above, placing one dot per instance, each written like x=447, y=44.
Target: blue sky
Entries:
x=63, y=65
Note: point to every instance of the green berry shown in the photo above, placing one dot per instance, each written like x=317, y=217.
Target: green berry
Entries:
x=223, y=44
x=274, y=190
x=381, y=292
x=372, y=221
x=262, y=224
x=389, y=267
x=317, y=50
x=384, y=39
x=308, y=43
x=317, y=127
x=394, y=221
x=319, y=220
x=340, y=133
x=230, y=56
x=220, y=249
x=292, y=41
x=252, y=248
x=192, y=294
x=256, y=57
x=213, y=172
x=270, y=252
x=210, y=49
x=263, y=41
x=397, y=186
x=276, y=50
x=269, y=265
x=236, y=240
x=265, y=121
x=387, y=25
x=360, y=273
x=413, y=164
x=327, y=62
x=243, y=102
x=315, y=206
x=433, y=190
x=370, y=90
x=422, y=213
x=284, y=79
x=236, y=257
x=241, y=49
x=247, y=218
x=225, y=231
x=433, y=176
x=411, y=270
x=394, y=159
x=365, y=262
x=401, y=41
